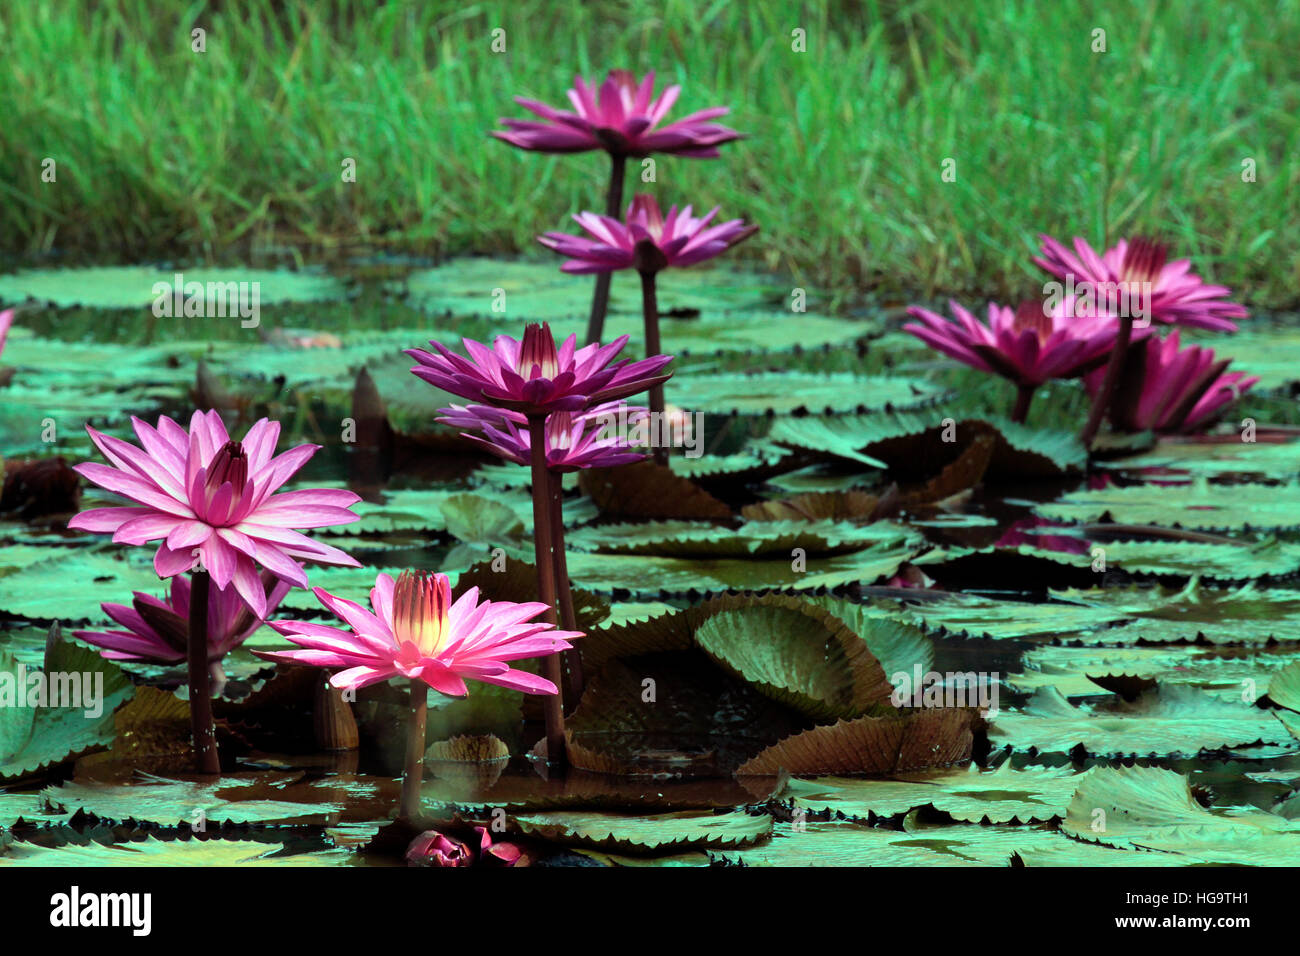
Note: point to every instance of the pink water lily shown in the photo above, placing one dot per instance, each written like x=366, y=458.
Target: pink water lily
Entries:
x=648, y=241
x=622, y=117
x=212, y=502
x=1170, y=389
x=574, y=440
x=6, y=320
x=416, y=631
x=533, y=377
x=432, y=848
x=1177, y=295
x=1023, y=344
x=157, y=629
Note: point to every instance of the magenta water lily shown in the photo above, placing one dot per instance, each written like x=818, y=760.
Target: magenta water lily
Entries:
x=212, y=502
x=416, y=631
x=1028, y=345
x=157, y=629
x=532, y=376
x=574, y=440
x=1167, y=388
x=623, y=117
x=647, y=241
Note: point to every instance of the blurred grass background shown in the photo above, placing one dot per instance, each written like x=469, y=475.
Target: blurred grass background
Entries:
x=236, y=152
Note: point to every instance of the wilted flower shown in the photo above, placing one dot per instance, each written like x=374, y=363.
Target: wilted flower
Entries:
x=574, y=440
x=647, y=242
x=533, y=377
x=157, y=630
x=417, y=632
x=622, y=118
x=1177, y=295
x=211, y=498
x=1024, y=344
x=1168, y=389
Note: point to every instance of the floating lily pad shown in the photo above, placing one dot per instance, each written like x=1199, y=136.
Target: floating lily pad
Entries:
x=1246, y=615
x=971, y=795
x=237, y=800
x=130, y=287
x=654, y=834
x=1153, y=809
x=1197, y=505
x=152, y=852
x=1174, y=720
x=79, y=692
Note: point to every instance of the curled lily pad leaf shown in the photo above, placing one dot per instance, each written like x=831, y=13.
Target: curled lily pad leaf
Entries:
x=970, y=795
x=799, y=655
x=666, y=832
x=1173, y=720
x=914, y=741
x=897, y=644
x=1284, y=687
x=53, y=715
x=1153, y=809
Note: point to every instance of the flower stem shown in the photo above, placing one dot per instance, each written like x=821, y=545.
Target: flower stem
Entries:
x=650, y=311
x=1024, y=395
x=206, y=758
x=568, y=620
x=1102, y=402
x=413, y=772
x=550, y=664
x=613, y=209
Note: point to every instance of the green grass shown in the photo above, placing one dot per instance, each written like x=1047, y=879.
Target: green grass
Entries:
x=236, y=152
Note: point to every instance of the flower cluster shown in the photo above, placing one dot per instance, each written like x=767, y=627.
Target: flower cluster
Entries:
x=1092, y=332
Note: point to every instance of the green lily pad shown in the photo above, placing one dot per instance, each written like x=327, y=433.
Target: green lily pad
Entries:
x=1174, y=720
x=800, y=656
x=71, y=719
x=970, y=795
x=1197, y=505
x=152, y=852
x=729, y=393
x=169, y=802
x=688, y=829
x=1153, y=809
x=1278, y=461
x=1246, y=615
x=132, y=287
